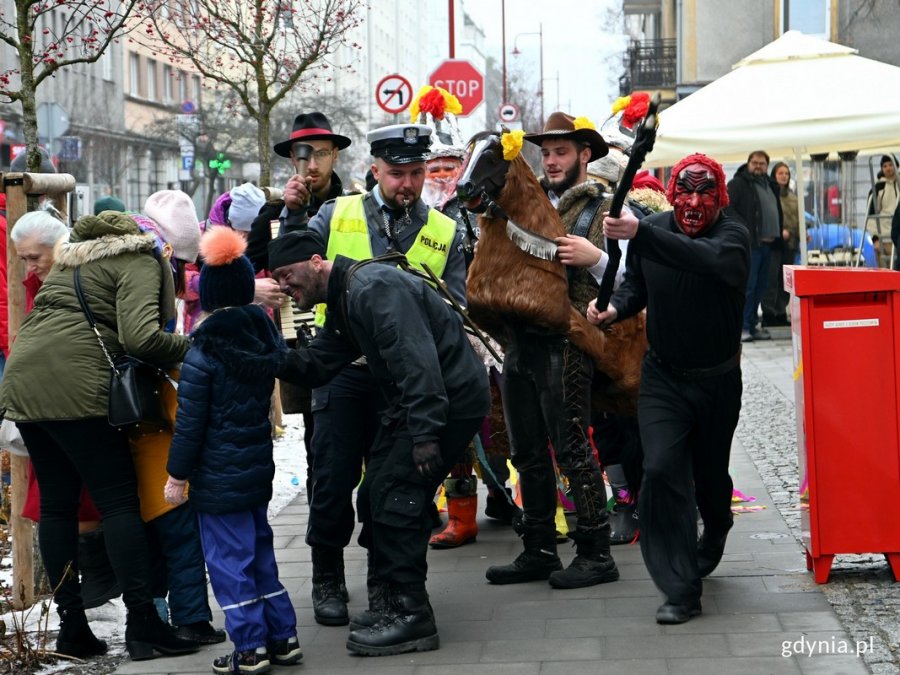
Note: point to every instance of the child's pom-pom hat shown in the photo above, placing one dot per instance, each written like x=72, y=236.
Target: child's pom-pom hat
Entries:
x=227, y=278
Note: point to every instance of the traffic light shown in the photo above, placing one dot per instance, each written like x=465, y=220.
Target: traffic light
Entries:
x=220, y=164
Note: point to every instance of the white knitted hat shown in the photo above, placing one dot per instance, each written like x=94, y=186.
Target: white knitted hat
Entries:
x=176, y=216
x=246, y=201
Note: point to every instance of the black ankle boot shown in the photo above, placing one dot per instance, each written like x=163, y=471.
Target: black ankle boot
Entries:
x=407, y=627
x=710, y=548
x=329, y=592
x=145, y=633
x=500, y=507
x=592, y=564
x=624, y=527
x=75, y=636
x=536, y=563
x=379, y=593
x=98, y=581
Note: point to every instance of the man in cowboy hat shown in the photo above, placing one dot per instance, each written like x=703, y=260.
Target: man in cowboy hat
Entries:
x=567, y=145
x=390, y=218
x=313, y=149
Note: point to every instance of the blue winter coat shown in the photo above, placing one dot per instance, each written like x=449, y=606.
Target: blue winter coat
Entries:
x=223, y=439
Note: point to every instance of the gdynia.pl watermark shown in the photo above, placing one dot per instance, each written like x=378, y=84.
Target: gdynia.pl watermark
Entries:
x=806, y=647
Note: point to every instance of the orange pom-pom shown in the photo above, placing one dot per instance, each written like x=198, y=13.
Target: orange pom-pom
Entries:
x=221, y=245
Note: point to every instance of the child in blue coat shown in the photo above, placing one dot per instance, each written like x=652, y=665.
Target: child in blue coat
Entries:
x=223, y=445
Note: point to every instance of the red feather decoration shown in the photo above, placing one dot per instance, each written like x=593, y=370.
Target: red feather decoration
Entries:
x=636, y=110
x=433, y=102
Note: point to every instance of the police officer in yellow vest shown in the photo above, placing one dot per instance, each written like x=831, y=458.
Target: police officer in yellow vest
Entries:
x=391, y=217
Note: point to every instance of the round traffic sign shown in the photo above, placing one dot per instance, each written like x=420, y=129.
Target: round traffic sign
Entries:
x=509, y=112
x=393, y=94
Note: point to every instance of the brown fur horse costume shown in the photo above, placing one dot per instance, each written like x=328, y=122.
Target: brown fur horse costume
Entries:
x=507, y=286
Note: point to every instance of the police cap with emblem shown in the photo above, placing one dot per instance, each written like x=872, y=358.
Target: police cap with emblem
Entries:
x=401, y=143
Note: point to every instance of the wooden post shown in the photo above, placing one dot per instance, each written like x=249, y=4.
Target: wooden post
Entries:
x=18, y=186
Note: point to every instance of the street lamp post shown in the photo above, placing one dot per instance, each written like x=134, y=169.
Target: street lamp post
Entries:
x=516, y=52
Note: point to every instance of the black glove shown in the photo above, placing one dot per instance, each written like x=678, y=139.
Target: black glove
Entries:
x=427, y=458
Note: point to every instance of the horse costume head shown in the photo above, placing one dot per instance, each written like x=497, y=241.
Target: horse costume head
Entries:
x=485, y=173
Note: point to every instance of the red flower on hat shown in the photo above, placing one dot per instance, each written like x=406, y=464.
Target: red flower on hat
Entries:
x=433, y=102
x=636, y=110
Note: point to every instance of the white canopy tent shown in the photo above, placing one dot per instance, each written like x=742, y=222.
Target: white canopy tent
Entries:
x=798, y=96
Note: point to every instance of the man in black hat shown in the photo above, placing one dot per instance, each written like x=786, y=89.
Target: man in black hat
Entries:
x=547, y=386
x=435, y=391
x=389, y=218
x=313, y=149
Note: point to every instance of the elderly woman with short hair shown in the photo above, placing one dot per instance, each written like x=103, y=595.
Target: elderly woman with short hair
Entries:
x=35, y=235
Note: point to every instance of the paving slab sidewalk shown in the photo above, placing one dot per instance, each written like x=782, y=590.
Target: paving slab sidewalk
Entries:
x=762, y=611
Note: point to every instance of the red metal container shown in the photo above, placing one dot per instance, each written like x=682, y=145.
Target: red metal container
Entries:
x=845, y=326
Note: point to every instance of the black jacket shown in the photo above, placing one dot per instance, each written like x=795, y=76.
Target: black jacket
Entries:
x=261, y=228
x=745, y=202
x=693, y=288
x=414, y=343
x=223, y=439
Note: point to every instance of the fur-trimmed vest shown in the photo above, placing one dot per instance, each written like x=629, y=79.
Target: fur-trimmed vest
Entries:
x=582, y=286
x=57, y=370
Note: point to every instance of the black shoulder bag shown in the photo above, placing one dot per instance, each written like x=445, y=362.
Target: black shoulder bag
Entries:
x=134, y=386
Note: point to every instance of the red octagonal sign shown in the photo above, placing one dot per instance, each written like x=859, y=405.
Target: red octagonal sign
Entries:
x=461, y=79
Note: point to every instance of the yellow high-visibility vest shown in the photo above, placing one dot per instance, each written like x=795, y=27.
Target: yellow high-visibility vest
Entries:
x=349, y=236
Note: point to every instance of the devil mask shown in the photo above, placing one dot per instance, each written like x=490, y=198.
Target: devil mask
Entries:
x=697, y=191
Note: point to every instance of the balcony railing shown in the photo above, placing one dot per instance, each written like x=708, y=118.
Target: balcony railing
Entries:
x=650, y=64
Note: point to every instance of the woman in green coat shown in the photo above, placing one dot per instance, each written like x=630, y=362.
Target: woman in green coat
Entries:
x=56, y=388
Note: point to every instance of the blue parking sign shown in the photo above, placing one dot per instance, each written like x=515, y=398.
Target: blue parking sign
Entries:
x=187, y=162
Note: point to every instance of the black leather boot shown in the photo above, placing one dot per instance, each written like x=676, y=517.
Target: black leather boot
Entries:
x=623, y=523
x=329, y=592
x=407, y=627
x=710, y=549
x=98, y=580
x=592, y=564
x=536, y=563
x=75, y=636
x=146, y=633
x=379, y=604
x=499, y=507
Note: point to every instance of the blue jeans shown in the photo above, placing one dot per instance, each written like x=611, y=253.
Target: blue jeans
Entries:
x=760, y=261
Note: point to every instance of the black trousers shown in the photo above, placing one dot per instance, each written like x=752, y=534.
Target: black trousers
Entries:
x=345, y=413
x=64, y=455
x=394, y=498
x=546, y=390
x=686, y=429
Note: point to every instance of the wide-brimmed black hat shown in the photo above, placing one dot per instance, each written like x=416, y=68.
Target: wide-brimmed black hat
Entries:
x=560, y=125
x=312, y=126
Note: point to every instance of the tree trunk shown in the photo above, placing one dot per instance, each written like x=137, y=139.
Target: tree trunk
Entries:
x=264, y=143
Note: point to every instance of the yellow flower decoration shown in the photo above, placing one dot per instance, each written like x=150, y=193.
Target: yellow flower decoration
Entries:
x=414, y=106
x=453, y=104
x=583, y=123
x=512, y=144
x=620, y=104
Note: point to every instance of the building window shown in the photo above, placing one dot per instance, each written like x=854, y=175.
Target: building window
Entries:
x=134, y=75
x=106, y=65
x=182, y=86
x=168, y=84
x=151, y=79
x=812, y=17
x=195, y=80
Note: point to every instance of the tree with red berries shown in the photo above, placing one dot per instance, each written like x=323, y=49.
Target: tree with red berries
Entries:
x=255, y=52
x=48, y=35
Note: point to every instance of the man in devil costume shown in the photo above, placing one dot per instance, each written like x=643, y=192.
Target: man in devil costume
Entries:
x=690, y=267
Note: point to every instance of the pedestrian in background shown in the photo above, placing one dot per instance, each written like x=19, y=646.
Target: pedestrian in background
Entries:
x=775, y=301
x=756, y=199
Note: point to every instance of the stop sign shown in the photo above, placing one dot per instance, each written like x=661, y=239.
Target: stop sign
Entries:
x=461, y=79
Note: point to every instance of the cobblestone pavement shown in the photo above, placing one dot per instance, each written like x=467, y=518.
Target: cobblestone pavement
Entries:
x=861, y=589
